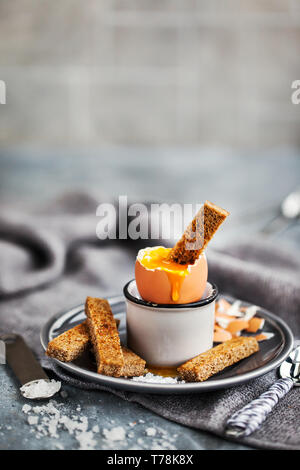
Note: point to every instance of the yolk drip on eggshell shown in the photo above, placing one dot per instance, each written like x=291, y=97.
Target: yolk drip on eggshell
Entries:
x=165, y=282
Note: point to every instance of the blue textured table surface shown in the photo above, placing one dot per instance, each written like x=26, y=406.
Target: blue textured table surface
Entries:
x=102, y=409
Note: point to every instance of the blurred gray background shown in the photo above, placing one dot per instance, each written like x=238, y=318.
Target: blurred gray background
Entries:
x=149, y=72
x=159, y=100
x=172, y=100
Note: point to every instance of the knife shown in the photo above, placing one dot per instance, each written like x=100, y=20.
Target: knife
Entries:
x=24, y=365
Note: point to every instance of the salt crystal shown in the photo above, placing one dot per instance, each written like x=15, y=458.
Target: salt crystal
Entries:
x=151, y=432
x=164, y=446
x=151, y=378
x=95, y=428
x=40, y=389
x=86, y=441
x=52, y=426
x=33, y=420
x=52, y=420
x=114, y=434
x=168, y=446
x=26, y=409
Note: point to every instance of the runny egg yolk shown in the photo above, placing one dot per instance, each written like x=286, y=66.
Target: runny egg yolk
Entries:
x=158, y=259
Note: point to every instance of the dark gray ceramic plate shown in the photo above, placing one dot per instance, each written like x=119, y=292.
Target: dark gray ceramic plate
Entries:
x=272, y=352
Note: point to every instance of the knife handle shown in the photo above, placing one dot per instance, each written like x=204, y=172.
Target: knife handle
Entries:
x=246, y=420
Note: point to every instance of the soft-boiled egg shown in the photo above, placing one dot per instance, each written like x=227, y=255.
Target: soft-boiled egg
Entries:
x=165, y=282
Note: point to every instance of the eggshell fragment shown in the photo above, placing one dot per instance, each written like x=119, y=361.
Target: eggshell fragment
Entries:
x=249, y=312
x=221, y=335
x=234, y=310
x=237, y=325
x=255, y=324
x=235, y=319
x=222, y=306
x=237, y=334
x=264, y=336
x=223, y=320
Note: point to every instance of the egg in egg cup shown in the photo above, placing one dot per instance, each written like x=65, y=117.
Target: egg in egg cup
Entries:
x=170, y=304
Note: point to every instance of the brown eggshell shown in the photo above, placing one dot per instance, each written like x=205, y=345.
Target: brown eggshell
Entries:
x=155, y=286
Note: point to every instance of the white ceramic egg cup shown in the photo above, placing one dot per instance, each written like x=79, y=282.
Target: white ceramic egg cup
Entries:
x=167, y=335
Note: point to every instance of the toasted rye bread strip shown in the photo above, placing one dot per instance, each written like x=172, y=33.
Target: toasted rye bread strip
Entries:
x=104, y=336
x=134, y=365
x=70, y=344
x=214, y=360
x=196, y=236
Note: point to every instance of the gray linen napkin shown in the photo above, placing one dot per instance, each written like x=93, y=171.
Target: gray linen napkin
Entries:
x=51, y=260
